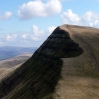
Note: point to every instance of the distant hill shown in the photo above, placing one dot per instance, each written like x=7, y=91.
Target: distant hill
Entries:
x=9, y=52
x=65, y=66
x=8, y=66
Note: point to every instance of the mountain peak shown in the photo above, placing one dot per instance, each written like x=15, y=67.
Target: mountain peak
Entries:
x=62, y=55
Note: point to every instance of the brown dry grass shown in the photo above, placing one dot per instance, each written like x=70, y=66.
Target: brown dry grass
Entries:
x=80, y=75
x=77, y=88
x=9, y=65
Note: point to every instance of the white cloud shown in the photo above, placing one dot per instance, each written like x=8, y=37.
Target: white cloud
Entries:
x=42, y=34
x=33, y=38
x=89, y=18
x=24, y=36
x=10, y=37
x=37, y=32
x=95, y=23
x=70, y=17
x=38, y=8
x=6, y=16
x=51, y=29
x=92, y=18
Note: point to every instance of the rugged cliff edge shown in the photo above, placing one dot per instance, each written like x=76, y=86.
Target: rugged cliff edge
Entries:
x=62, y=56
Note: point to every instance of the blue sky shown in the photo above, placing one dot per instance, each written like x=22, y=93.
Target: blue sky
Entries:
x=28, y=23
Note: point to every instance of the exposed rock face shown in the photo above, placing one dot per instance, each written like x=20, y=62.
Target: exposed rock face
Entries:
x=39, y=75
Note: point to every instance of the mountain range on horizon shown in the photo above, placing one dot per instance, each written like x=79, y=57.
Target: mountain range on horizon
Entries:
x=7, y=52
x=65, y=66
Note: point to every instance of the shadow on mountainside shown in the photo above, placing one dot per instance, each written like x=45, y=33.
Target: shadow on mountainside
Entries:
x=39, y=75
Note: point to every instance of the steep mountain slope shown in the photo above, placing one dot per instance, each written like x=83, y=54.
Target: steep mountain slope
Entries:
x=64, y=67
x=80, y=75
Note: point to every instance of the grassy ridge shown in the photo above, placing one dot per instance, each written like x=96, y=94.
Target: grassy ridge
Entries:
x=38, y=77
x=80, y=75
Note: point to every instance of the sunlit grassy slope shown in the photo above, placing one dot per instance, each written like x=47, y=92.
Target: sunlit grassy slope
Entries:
x=80, y=75
x=9, y=65
x=64, y=67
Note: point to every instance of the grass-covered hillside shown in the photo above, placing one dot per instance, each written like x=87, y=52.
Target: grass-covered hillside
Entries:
x=9, y=65
x=39, y=75
x=65, y=66
x=80, y=75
